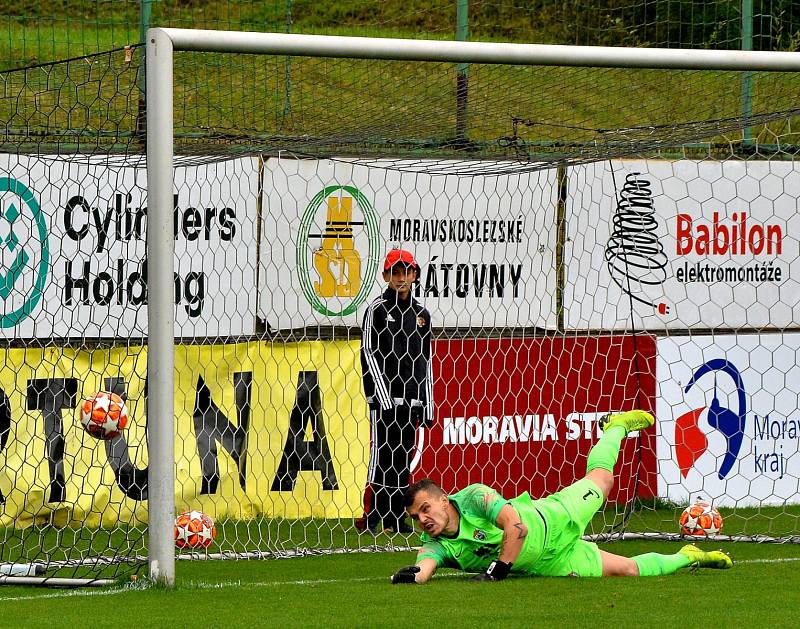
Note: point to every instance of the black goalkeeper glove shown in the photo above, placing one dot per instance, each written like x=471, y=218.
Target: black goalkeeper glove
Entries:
x=407, y=574
x=497, y=571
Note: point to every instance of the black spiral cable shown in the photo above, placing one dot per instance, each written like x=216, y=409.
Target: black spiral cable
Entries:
x=633, y=253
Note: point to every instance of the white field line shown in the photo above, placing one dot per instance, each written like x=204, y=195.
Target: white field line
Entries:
x=191, y=585
x=198, y=585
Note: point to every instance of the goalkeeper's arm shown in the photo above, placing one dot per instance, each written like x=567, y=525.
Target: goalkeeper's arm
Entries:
x=514, y=533
x=419, y=573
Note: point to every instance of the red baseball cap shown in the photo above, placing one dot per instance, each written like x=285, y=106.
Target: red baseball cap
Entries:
x=400, y=256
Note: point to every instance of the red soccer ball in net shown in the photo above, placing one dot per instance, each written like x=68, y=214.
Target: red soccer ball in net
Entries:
x=700, y=520
x=194, y=529
x=104, y=415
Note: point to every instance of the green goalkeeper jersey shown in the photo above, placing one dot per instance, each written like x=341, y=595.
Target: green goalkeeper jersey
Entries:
x=478, y=541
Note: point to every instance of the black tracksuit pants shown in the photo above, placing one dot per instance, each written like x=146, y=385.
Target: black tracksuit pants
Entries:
x=392, y=438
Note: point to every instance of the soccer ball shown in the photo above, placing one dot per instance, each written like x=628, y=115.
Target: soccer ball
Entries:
x=194, y=529
x=104, y=415
x=700, y=519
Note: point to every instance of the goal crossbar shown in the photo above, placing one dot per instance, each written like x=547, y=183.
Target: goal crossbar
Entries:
x=160, y=46
x=470, y=52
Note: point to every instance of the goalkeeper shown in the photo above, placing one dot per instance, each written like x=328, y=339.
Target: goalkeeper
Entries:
x=477, y=530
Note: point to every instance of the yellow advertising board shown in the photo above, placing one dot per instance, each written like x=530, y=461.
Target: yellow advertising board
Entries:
x=261, y=428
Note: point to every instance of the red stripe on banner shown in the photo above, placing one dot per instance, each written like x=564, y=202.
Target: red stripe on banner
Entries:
x=520, y=415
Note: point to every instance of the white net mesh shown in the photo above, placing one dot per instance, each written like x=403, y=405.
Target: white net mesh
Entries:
x=587, y=246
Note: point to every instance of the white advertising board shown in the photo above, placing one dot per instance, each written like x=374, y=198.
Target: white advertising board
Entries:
x=729, y=419
x=683, y=244
x=485, y=243
x=73, y=251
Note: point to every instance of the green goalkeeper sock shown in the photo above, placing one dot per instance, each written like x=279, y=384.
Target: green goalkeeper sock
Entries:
x=655, y=564
x=605, y=452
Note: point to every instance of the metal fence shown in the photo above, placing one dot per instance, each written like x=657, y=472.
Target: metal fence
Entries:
x=33, y=32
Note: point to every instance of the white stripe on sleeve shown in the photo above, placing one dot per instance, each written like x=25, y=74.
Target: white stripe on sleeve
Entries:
x=381, y=385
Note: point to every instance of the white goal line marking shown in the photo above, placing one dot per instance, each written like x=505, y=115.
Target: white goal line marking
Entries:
x=191, y=585
x=780, y=560
x=199, y=585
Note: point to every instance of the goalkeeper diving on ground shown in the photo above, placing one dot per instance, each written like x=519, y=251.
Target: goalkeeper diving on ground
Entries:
x=477, y=530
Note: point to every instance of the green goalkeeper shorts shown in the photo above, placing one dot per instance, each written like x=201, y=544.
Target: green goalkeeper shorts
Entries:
x=567, y=514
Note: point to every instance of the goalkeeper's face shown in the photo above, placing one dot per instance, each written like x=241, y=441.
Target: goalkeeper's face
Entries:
x=433, y=512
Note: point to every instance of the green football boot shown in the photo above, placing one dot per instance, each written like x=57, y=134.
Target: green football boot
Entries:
x=702, y=559
x=629, y=420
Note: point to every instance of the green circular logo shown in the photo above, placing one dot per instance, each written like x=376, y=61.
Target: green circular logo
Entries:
x=336, y=249
x=17, y=255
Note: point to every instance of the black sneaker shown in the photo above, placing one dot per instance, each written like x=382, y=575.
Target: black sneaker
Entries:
x=362, y=525
x=401, y=529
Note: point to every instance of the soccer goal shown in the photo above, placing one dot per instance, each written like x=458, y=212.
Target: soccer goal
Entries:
x=597, y=230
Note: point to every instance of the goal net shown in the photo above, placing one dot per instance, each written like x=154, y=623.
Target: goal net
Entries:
x=590, y=240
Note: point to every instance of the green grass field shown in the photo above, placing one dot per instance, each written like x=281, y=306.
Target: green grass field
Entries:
x=354, y=591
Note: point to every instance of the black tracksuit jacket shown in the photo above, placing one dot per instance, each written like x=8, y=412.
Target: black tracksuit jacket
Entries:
x=396, y=353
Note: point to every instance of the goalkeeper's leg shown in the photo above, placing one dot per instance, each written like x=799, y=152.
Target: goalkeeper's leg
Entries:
x=581, y=500
x=656, y=564
x=603, y=456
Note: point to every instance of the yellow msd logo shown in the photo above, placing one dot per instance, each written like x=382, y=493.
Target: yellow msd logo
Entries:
x=337, y=261
x=338, y=248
